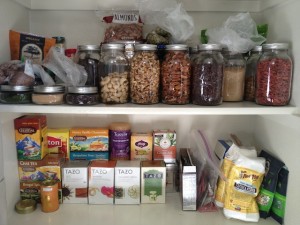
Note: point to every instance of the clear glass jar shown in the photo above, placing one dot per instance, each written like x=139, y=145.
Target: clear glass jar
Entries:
x=15, y=94
x=113, y=72
x=176, y=75
x=274, y=75
x=208, y=75
x=128, y=48
x=48, y=95
x=145, y=75
x=82, y=95
x=234, y=76
x=88, y=56
x=250, y=76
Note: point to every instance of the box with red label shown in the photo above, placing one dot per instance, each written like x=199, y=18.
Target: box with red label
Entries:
x=164, y=145
x=58, y=141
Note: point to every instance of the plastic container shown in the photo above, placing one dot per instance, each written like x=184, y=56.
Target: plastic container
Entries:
x=82, y=95
x=15, y=94
x=208, y=75
x=114, y=71
x=48, y=95
x=176, y=75
x=274, y=75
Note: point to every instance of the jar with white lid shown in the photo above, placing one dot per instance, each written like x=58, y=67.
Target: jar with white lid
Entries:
x=82, y=95
x=48, y=95
x=10, y=94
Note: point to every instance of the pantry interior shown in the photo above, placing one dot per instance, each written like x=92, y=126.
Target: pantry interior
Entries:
x=276, y=129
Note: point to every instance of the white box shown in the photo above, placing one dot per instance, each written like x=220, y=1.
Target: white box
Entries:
x=127, y=182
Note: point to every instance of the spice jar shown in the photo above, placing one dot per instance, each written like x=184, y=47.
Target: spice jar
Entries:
x=274, y=75
x=113, y=72
x=83, y=95
x=234, y=76
x=176, y=75
x=15, y=94
x=49, y=196
x=208, y=75
x=250, y=76
x=144, y=75
x=88, y=56
x=48, y=95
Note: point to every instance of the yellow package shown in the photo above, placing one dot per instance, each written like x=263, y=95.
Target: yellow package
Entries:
x=141, y=146
x=58, y=141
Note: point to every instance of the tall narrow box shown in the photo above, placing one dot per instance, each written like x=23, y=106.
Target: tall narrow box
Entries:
x=58, y=141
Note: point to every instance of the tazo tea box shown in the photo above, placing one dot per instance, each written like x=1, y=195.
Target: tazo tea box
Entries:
x=153, y=181
x=31, y=137
x=58, y=141
x=101, y=182
x=141, y=146
x=75, y=181
x=127, y=182
x=89, y=143
x=164, y=145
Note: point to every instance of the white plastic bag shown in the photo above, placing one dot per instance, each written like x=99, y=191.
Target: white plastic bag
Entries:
x=41, y=73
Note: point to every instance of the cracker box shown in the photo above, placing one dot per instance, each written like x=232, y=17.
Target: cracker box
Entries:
x=31, y=137
x=89, y=143
x=58, y=141
x=127, y=182
x=141, y=146
x=75, y=181
x=101, y=182
x=164, y=145
x=153, y=181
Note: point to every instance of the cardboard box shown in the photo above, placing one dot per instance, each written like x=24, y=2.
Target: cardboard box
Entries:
x=153, y=181
x=31, y=137
x=58, y=141
x=127, y=182
x=75, y=181
x=164, y=145
x=89, y=143
x=141, y=146
x=101, y=182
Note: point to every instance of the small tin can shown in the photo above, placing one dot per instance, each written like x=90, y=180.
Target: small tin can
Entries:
x=49, y=196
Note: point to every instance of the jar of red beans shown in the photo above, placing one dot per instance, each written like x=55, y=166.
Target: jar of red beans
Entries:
x=208, y=75
x=176, y=75
x=274, y=75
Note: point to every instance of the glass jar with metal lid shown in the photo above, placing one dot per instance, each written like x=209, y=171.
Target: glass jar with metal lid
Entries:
x=176, y=75
x=145, y=75
x=83, y=95
x=208, y=75
x=88, y=56
x=15, y=94
x=274, y=75
x=48, y=95
x=113, y=72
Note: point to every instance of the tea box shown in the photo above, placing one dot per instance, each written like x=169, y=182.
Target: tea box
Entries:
x=127, y=182
x=58, y=141
x=153, y=181
x=89, y=143
x=164, y=145
x=101, y=182
x=141, y=146
x=31, y=137
x=75, y=181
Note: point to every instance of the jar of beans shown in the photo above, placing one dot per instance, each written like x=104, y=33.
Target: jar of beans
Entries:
x=145, y=75
x=83, y=95
x=176, y=75
x=250, y=76
x=274, y=75
x=114, y=74
x=208, y=75
x=234, y=76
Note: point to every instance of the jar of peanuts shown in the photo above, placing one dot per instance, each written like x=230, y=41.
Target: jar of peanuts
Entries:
x=176, y=75
x=145, y=75
x=113, y=73
x=274, y=75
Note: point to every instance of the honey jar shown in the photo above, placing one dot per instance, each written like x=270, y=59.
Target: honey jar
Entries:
x=49, y=196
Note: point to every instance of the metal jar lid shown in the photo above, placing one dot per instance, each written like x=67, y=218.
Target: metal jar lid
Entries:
x=145, y=47
x=83, y=90
x=205, y=47
x=113, y=46
x=177, y=47
x=25, y=206
x=88, y=47
x=15, y=88
x=49, y=89
x=278, y=46
x=49, y=183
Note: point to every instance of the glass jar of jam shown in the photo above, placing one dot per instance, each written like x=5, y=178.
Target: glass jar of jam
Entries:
x=15, y=94
x=83, y=95
x=48, y=95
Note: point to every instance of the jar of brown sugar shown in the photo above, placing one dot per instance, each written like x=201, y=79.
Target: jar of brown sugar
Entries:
x=48, y=95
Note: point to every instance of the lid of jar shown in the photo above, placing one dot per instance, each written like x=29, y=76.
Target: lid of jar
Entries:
x=83, y=90
x=119, y=126
x=25, y=206
x=59, y=40
x=210, y=47
x=275, y=46
x=88, y=47
x=117, y=46
x=15, y=88
x=146, y=47
x=176, y=47
x=48, y=183
x=126, y=42
x=48, y=89
x=257, y=49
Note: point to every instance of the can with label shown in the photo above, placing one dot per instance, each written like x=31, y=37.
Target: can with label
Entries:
x=49, y=196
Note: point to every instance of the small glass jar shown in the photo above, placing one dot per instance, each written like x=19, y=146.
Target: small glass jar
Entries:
x=48, y=95
x=234, y=76
x=250, y=76
x=176, y=75
x=83, y=95
x=15, y=94
x=274, y=75
x=88, y=56
x=113, y=72
x=208, y=75
x=145, y=75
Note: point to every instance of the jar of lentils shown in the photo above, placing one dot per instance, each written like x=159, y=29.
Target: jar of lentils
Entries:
x=145, y=75
x=176, y=75
x=114, y=74
x=208, y=75
x=274, y=75
x=83, y=95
